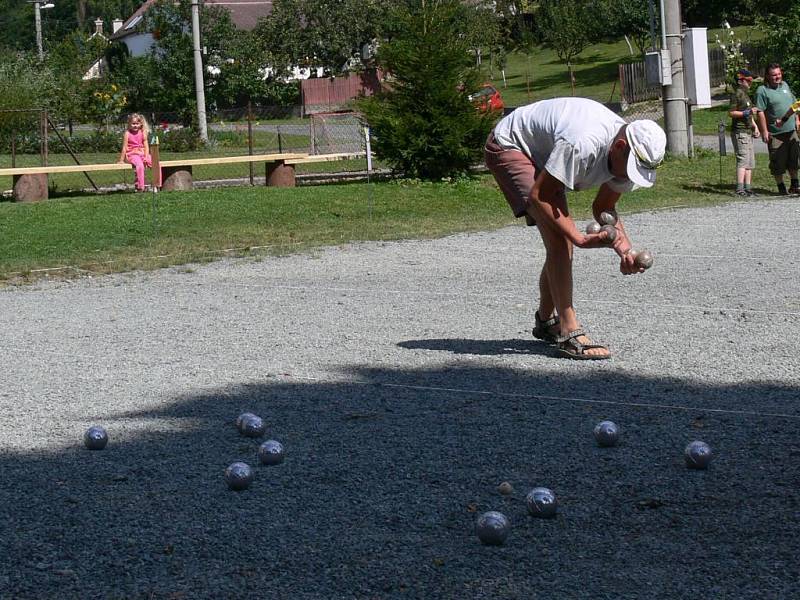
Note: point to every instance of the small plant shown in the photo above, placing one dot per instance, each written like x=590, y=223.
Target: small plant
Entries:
x=734, y=57
x=108, y=104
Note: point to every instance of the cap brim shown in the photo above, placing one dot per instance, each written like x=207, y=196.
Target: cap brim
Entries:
x=638, y=173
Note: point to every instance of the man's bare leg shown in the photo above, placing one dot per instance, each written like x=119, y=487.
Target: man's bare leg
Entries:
x=558, y=272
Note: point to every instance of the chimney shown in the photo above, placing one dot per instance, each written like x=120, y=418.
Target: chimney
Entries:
x=98, y=27
x=116, y=25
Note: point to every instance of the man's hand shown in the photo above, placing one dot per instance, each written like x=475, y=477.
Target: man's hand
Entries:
x=593, y=240
x=627, y=263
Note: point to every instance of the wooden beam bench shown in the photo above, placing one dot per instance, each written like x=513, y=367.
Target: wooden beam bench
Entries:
x=315, y=158
x=31, y=183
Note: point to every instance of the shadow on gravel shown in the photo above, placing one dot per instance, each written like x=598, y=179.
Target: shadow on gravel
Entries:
x=480, y=347
x=386, y=472
x=728, y=189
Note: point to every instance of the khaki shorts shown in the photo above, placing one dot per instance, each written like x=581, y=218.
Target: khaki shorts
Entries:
x=784, y=152
x=514, y=172
x=744, y=149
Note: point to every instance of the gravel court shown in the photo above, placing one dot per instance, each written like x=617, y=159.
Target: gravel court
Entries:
x=404, y=382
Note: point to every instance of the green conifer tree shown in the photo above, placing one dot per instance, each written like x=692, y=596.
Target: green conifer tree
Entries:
x=423, y=122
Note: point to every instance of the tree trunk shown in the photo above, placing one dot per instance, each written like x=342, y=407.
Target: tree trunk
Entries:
x=80, y=13
x=571, y=76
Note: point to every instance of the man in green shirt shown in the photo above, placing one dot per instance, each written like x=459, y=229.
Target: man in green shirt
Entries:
x=743, y=130
x=775, y=99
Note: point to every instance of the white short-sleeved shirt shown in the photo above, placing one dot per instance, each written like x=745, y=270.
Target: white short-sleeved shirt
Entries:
x=569, y=138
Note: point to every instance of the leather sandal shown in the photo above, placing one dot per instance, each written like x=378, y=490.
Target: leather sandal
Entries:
x=542, y=329
x=569, y=346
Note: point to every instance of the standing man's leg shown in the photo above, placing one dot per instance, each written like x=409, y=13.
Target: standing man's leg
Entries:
x=777, y=160
x=558, y=271
x=515, y=174
x=740, y=150
x=794, y=163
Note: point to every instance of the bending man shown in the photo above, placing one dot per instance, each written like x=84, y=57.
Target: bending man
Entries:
x=538, y=152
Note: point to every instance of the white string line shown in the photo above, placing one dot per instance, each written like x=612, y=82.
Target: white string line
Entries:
x=429, y=388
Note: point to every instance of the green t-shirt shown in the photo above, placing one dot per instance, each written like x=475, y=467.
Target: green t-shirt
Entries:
x=775, y=103
x=740, y=101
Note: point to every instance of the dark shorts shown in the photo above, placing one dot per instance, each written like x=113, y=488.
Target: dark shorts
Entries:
x=784, y=152
x=514, y=172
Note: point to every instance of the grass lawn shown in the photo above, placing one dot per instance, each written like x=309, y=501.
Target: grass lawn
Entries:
x=118, y=232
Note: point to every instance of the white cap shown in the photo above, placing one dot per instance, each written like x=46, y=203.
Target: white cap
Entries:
x=648, y=143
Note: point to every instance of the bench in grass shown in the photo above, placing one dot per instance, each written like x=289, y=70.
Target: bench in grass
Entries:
x=31, y=183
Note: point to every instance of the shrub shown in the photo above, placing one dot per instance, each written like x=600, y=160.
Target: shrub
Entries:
x=423, y=123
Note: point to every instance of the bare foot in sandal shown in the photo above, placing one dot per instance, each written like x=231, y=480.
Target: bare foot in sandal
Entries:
x=576, y=344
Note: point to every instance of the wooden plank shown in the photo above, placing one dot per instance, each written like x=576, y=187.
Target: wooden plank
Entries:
x=219, y=160
x=166, y=163
x=314, y=158
x=65, y=169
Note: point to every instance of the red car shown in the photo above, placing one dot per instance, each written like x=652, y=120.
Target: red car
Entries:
x=487, y=99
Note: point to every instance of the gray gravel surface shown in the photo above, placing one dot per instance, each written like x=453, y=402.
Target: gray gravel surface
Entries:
x=405, y=386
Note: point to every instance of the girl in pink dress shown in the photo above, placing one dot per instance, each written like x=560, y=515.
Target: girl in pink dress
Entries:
x=135, y=147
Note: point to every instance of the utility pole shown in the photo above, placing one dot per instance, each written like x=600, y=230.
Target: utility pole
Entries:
x=198, y=72
x=38, y=5
x=674, y=94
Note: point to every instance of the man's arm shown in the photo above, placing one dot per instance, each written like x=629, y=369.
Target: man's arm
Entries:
x=548, y=206
x=761, y=105
x=606, y=201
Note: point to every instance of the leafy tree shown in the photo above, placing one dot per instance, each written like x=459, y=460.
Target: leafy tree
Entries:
x=69, y=61
x=782, y=43
x=16, y=20
x=26, y=84
x=631, y=18
x=164, y=80
x=243, y=77
x=423, y=122
x=568, y=27
x=321, y=33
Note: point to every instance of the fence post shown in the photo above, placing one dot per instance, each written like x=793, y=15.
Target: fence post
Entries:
x=250, y=138
x=44, y=137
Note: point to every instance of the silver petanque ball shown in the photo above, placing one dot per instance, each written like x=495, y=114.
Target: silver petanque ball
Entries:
x=238, y=476
x=242, y=418
x=541, y=503
x=607, y=218
x=95, y=438
x=492, y=528
x=593, y=227
x=611, y=232
x=271, y=453
x=643, y=259
x=606, y=433
x=698, y=454
x=253, y=427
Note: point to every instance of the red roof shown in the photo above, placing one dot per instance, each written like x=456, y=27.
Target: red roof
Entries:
x=244, y=14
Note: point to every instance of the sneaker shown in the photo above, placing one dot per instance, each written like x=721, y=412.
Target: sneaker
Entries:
x=781, y=189
x=750, y=193
x=742, y=193
x=794, y=190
